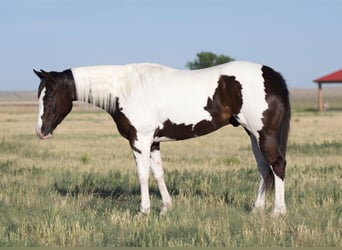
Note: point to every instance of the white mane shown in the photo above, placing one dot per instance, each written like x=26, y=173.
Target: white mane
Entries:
x=101, y=85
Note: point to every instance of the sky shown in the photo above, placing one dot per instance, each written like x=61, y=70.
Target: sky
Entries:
x=300, y=38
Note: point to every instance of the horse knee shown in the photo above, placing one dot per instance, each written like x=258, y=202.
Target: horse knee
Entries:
x=279, y=166
x=158, y=175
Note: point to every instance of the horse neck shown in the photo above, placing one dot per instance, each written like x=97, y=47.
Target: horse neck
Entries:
x=104, y=85
x=100, y=85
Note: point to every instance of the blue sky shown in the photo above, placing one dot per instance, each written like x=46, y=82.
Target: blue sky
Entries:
x=300, y=38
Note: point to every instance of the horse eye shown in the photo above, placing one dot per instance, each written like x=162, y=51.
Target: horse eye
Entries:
x=49, y=97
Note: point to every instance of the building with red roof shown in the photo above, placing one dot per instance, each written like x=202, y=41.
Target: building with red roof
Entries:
x=335, y=77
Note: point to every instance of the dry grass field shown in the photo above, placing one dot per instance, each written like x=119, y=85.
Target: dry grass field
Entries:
x=80, y=187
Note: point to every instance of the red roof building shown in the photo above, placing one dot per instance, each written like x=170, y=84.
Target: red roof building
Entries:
x=335, y=77
x=331, y=78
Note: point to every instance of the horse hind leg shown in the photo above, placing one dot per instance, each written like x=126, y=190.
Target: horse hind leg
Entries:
x=266, y=176
x=270, y=148
x=158, y=173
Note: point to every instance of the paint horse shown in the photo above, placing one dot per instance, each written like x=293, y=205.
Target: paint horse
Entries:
x=151, y=103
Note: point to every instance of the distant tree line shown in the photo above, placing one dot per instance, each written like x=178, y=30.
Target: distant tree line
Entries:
x=207, y=59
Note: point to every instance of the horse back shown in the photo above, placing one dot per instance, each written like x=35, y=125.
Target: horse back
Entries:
x=186, y=104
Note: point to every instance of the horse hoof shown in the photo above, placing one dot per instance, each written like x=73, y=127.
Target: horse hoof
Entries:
x=257, y=210
x=165, y=209
x=145, y=211
x=278, y=212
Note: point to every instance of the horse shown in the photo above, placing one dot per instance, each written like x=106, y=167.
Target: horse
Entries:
x=152, y=103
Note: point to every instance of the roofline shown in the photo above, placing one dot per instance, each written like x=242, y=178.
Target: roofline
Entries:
x=317, y=81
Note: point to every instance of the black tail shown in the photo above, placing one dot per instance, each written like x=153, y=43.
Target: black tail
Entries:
x=284, y=129
x=276, y=84
x=279, y=114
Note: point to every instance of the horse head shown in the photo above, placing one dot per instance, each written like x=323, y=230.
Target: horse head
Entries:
x=55, y=95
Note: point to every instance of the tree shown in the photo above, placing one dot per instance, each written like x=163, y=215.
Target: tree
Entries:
x=207, y=59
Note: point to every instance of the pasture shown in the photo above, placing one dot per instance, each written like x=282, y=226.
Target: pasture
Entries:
x=80, y=188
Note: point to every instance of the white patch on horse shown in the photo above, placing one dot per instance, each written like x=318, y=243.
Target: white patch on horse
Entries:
x=253, y=97
x=177, y=95
x=40, y=112
x=279, y=197
x=101, y=85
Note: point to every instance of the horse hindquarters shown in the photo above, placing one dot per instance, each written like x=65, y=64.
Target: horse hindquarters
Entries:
x=272, y=143
x=272, y=138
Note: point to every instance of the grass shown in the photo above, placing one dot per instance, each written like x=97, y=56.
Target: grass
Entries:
x=80, y=188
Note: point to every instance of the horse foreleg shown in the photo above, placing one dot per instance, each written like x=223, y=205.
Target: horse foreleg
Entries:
x=141, y=153
x=158, y=173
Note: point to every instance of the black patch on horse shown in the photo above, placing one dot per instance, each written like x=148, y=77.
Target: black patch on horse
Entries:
x=125, y=128
x=225, y=103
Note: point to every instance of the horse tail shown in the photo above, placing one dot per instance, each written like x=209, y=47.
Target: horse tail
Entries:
x=284, y=131
x=276, y=84
x=279, y=113
x=284, y=128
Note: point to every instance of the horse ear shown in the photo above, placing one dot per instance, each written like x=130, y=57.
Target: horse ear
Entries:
x=39, y=74
x=43, y=74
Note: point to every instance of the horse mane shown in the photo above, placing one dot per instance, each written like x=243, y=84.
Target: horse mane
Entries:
x=101, y=85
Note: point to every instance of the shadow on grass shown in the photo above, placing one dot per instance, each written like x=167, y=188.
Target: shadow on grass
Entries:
x=225, y=186
x=115, y=193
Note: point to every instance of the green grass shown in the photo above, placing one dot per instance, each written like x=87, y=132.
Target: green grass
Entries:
x=80, y=188
x=209, y=210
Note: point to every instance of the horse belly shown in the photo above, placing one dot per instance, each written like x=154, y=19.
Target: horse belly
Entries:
x=186, y=111
x=182, y=115
x=166, y=105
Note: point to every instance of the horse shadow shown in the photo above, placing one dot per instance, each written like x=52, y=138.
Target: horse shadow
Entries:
x=122, y=195
x=115, y=193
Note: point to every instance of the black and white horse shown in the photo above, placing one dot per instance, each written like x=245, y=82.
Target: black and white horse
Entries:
x=151, y=103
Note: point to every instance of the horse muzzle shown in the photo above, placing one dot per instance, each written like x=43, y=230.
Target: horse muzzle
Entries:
x=41, y=135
